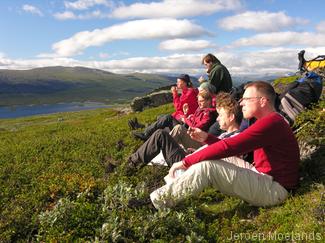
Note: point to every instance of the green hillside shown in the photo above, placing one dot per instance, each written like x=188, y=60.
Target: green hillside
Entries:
x=69, y=84
x=62, y=180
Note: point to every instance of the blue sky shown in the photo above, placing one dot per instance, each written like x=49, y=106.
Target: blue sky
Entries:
x=167, y=36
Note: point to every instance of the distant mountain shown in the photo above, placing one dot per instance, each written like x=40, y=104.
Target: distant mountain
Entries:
x=245, y=78
x=68, y=84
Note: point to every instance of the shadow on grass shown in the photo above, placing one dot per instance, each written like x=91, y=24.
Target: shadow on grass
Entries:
x=312, y=170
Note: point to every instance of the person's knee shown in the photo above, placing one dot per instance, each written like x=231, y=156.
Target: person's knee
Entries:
x=160, y=133
x=165, y=118
x=202, y=167
x=177, y=129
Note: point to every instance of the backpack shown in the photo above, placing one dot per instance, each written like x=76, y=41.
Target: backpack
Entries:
x=310, y=65
x=299, y=95
x=237, y=92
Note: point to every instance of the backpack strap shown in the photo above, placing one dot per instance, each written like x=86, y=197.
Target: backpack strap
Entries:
x=230, y=134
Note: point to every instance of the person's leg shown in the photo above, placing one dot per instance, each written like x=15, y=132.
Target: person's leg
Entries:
x=179, y=133
x=159, y=140
x=252, y=187
x=161, y=123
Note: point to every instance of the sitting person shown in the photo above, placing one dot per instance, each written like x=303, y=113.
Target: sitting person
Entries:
x=185, y=102
x=218, y=74
x=266, y=182
x=200, y=119
x=229, y=119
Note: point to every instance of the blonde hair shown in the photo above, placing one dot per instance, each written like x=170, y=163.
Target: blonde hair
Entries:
x=205, y=95
x=228, y=103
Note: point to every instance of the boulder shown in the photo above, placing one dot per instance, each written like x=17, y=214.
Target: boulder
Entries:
x=154, y=99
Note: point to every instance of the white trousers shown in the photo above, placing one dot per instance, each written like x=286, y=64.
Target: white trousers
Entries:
x=232, y=176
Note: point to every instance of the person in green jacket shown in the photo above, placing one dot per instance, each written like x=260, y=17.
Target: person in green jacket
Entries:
x=218, y=74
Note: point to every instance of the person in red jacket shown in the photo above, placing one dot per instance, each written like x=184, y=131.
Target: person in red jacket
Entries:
x=185, y=105
x=229, y=118
x=266, y=182
x=187, y=97
x=203, y=118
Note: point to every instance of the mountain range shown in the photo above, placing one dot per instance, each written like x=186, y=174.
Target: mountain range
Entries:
x=74, y=84
x=50, y=85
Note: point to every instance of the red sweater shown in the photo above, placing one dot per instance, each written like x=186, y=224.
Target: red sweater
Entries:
x=276, y=150
x=202, y=118
x=189, y=96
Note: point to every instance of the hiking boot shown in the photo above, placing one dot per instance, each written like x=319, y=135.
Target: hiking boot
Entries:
x=134, y=124
x=132, y=167
x=131, y=124
x=137, y=124
x=140, y=135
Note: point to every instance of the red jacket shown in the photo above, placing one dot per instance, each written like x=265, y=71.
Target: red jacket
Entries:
x=189, y=96
x=276, y=150
x=202, y=118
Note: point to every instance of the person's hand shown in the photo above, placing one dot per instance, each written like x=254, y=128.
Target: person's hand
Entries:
x=176, y=166
x=173, y=89
x=197, y=134
x=190, y=150
x=201, y=79
x=185, y=108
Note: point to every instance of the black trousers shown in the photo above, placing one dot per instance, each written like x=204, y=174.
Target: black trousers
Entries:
x=162, y=122
x=159, y=140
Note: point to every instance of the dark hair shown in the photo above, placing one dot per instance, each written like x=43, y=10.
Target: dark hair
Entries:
x=225, y=101
x=264, y=88
x=186, y=79
x=209, y=58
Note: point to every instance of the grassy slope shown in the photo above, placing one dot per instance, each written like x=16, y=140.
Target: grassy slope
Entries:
x=54, y=185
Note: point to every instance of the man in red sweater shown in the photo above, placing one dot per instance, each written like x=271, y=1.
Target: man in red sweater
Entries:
x=265, y=182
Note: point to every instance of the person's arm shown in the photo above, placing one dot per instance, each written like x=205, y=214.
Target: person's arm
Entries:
x=190, y=97
x=176, y=100
x=203, y=120
x=188, y=120
x=258, y=135
x=216, y=76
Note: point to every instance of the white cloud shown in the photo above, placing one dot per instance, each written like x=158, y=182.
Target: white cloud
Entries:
x=174, y=8
x=260, y=21
x=139, y=29
x=32, y=9
x=185, y=45
x=276, y=61
x=282, y=39
x=65, y=15
x=321, y=27
x=85, y=4
x=70, y=15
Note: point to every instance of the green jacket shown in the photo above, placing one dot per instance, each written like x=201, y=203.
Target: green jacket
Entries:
x=219, y=76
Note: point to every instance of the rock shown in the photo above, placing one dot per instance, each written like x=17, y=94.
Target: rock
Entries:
x=306, y=150
x=152, y=100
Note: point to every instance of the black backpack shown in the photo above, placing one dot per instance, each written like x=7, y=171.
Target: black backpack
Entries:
x=237, y=92
x=299, y=95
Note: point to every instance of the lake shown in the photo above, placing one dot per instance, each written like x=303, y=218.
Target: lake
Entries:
x=30, y=110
